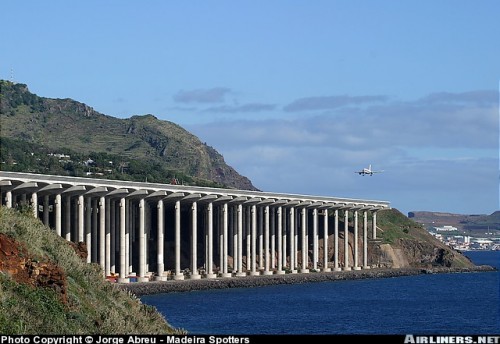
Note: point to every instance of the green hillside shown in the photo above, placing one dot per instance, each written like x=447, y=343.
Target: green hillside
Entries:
x=46, y=288
x=64, y=126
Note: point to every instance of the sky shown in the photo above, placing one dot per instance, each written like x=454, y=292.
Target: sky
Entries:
x=296, y=95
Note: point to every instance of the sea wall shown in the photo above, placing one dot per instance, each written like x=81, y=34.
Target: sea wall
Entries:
x=147, y=288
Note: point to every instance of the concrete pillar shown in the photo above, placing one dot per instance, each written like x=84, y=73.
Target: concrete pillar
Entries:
x=224, y=240
x=279, y=234
x=112, y=234
x=88, y=228
x=34, y=204
x=107, y=239
x=8, y=199
x=178, y=273
x=283, y=239
x=346, y=240
x=102, y=232
x=336, y=242
x=260, y=229
x=94, y=231
x=365, y=240
x=194, y=242
x=210, y=237
x=325, y=242
x=293, y=247
x=130, y=234
x=123, y=261
x=81, y=215
x=315, y=239
x=273, y=239
x=374, y=225
x=235, y=246
x=142, y=242
x=239, y=213
x=67, y=218
x=304, y=246
x=160, y=244
x=57, y=206
x=254, y=272
x=248, y=226
x=266, y=240
x=356, y=242
x=46, y=210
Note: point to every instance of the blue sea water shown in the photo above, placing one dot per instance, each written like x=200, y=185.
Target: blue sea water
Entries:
x=458, y=303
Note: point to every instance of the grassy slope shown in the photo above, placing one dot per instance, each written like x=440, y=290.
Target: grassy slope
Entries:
x=94, y=305
x=398, y=230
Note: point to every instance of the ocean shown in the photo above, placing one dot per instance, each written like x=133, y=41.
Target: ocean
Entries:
x=457, y=303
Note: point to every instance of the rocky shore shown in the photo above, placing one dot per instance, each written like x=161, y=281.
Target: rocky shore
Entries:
x=147, y=288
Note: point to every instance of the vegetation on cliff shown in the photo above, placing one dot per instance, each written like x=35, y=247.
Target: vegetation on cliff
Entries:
x=406, y=243
x=139, y=148
x=47, y=288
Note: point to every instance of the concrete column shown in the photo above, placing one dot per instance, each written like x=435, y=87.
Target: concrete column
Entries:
x=315, y=239
x=304, y=247
x=57, y=206
x=178, y=273
x=142, y=242
x=239, y=213
x=88, y=228
x=123, y=261
x=107, y=239
x=81, y=208
x=296, y=239
x=248, y=228
x=325, y=242
x=220, y=231
x=224, y=240
x=112, y=234
x=94, y=231
x=102, y=232
x=129, y=232
x=46, y=210
x=273, y=239
x=8, y=199
x=346, y=240
x=293, y=247
x=356, y=242
x=74, y=218
x=194, y=242
x=336, y=242
x=210, y=237
x=34, y=204
x=374, y=225
x=279, y=215
x=365, y=240
x=160, y=244
x=235, y=246
x=67, y=218
x=266, y=240
x=260, y=229
x=283, y=239
x=254, y=272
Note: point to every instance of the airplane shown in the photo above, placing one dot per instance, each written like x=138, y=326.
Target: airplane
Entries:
x=368, y=171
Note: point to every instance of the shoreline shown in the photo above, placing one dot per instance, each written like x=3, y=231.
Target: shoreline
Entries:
x=161, y=287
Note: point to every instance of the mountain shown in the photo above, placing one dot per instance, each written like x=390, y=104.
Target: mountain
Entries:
x=471, y=222
x=92, y=143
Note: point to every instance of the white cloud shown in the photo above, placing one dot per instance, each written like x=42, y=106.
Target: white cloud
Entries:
x=210, y=95
x=439, y=152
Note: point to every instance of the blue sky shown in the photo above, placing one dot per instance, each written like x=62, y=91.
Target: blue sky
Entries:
x=296, y=95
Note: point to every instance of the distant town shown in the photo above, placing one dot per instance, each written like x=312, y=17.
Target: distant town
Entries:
x=459, y=231
x=451, y=237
